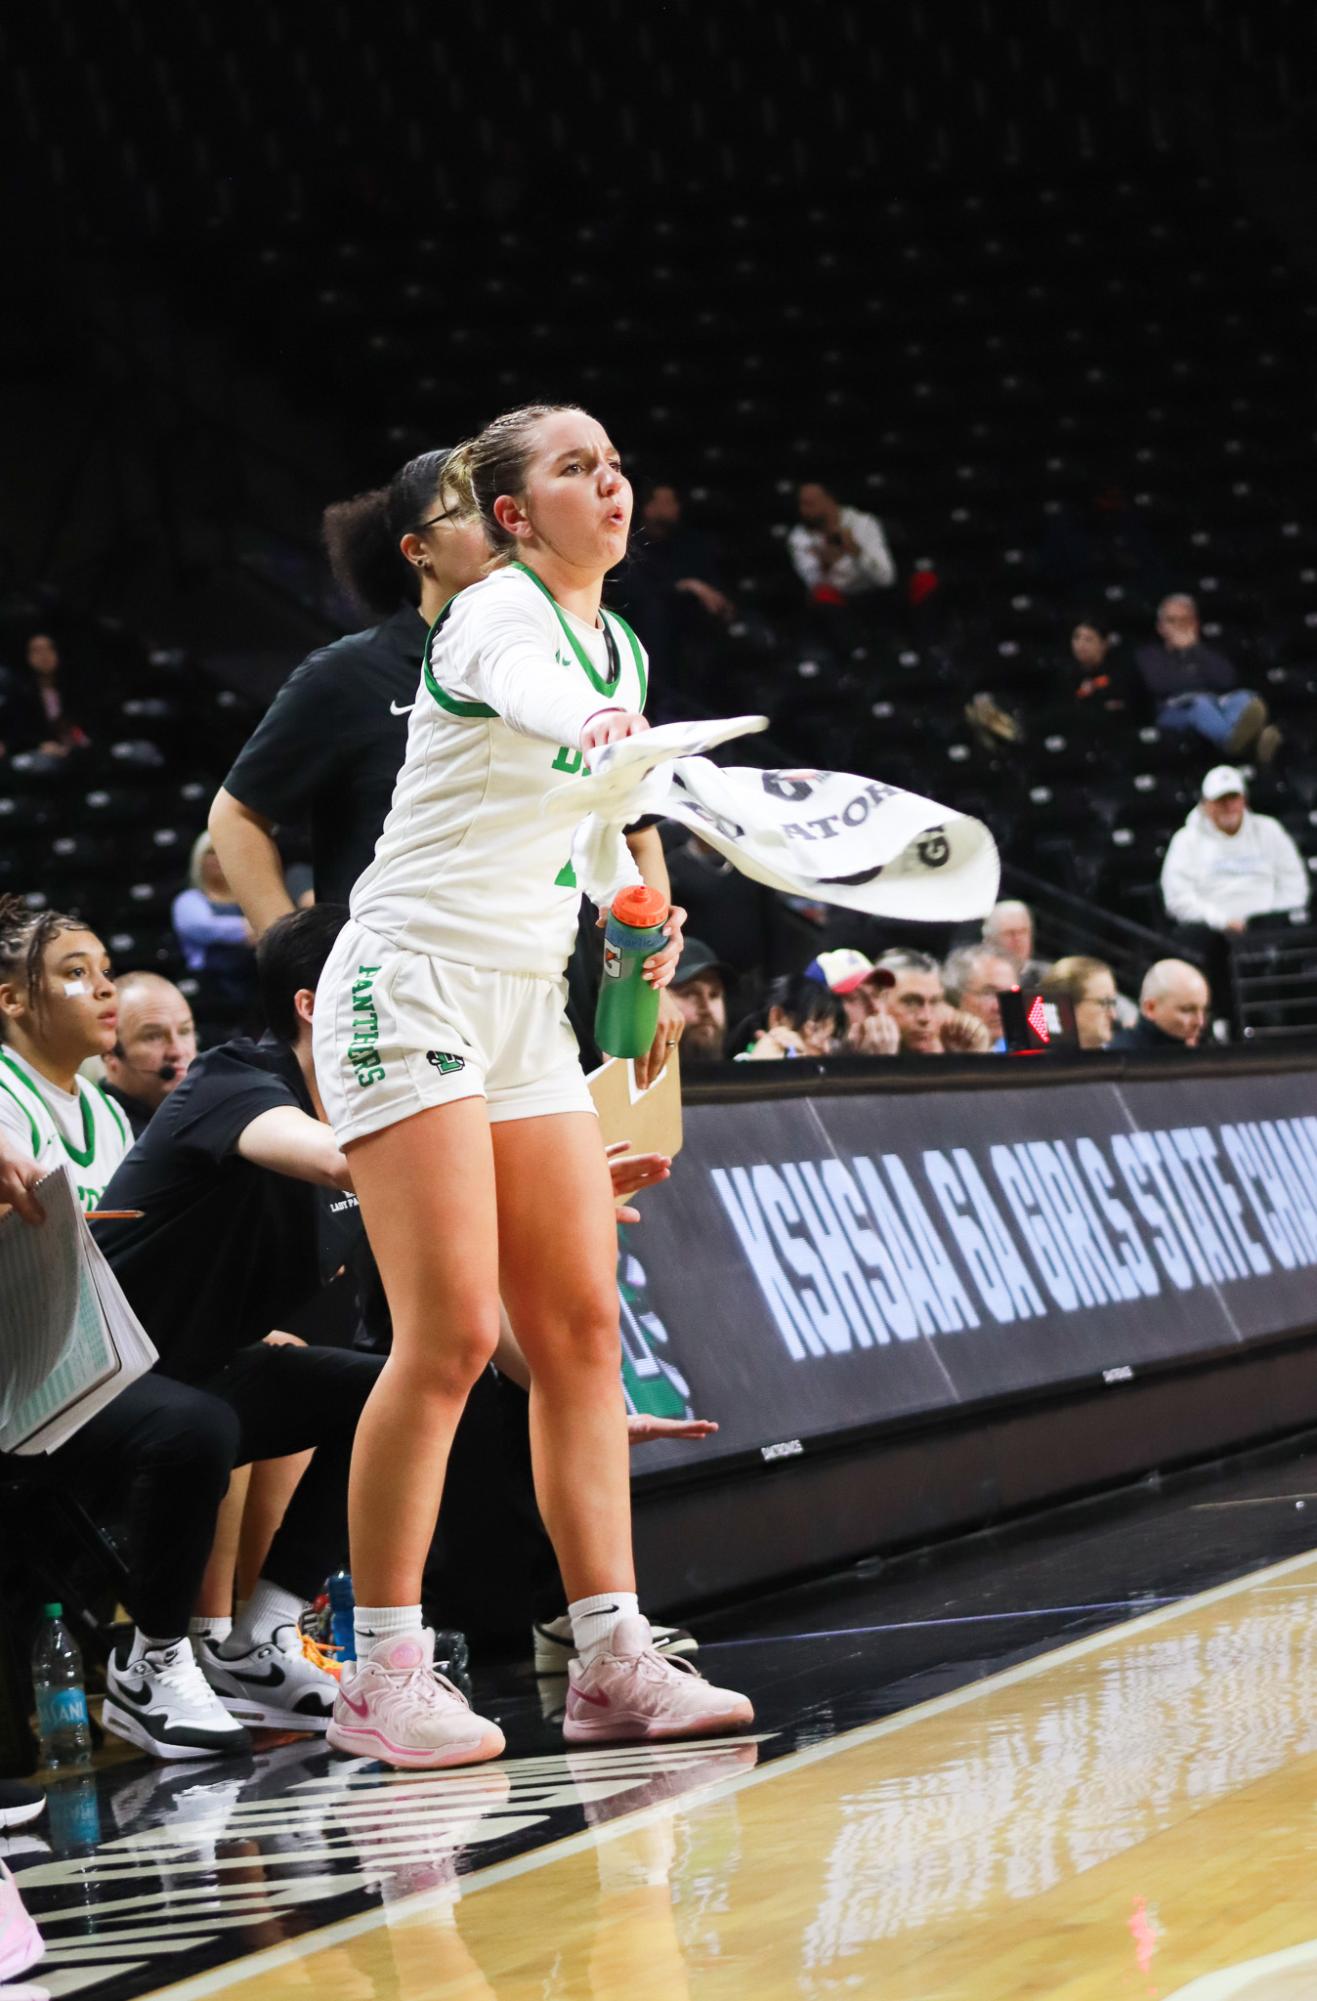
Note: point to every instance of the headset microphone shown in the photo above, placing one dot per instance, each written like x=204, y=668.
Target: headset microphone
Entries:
x=167, y=1073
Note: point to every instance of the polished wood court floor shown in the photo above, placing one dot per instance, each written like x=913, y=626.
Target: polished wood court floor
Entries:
x=1133, y=1815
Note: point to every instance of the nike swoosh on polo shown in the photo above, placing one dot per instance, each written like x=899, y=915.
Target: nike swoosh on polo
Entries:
x=405, y=710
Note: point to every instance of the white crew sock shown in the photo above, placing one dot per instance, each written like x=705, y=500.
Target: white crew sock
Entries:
x=372, y=1623
x=201, y=1627
x=256, y=1625
x=593, y=1619
x=143, y=1642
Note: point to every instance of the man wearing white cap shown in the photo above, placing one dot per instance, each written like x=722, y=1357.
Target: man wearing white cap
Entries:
x=1228, y=865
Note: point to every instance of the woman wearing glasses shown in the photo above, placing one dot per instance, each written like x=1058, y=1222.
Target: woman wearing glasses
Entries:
x=1090, y=987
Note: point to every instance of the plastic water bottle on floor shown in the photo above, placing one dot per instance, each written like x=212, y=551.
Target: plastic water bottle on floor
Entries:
x=62, y=1721
x=342, y=1604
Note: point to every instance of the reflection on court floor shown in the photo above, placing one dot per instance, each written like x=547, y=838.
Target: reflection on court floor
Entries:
x=223, y=1861
x=1128, y=1815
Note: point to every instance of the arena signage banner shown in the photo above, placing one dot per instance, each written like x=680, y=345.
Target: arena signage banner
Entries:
x=817, y=1266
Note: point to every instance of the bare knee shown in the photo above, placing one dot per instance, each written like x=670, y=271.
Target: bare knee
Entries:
x=579, y=1342
x=444, y=1362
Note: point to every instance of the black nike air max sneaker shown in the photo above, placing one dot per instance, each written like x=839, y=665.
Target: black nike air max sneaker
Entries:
x=274, y=1686
x=163, y=1703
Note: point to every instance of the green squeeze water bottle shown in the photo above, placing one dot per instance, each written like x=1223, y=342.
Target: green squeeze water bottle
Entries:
x=627, y=1015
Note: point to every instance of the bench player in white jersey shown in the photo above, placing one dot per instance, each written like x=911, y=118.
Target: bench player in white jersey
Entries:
x=58, y=1006
x=452, y=1080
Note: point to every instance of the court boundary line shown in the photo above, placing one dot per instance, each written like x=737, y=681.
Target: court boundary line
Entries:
x=200, y=1985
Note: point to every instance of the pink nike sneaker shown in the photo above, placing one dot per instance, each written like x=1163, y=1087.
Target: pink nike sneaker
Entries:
x=20, y=1941
x=633, y=1691
x=392, y=1705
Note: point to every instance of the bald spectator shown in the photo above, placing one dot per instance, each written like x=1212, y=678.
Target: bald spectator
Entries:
x=1195, y=688
x=974, y=976
x=1008, y=930
x=157, y=1040
x=1173, y=1005
x=1228, y=865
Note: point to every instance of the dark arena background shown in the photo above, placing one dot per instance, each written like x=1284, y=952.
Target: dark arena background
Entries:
x=961, y=360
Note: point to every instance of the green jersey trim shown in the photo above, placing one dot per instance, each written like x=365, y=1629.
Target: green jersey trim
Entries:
x=83, y=1158
x=639, y=657
x=33, y=1127
x=449, y=702
x=114, y=1112
x=596, y=680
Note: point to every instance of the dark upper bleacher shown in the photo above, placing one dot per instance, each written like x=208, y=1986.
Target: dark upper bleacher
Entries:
x=946, y=271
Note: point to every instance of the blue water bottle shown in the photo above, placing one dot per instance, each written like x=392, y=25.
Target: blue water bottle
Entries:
x=342, y=1604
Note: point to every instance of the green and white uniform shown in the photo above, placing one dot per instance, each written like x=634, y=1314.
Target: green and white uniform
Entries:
x=448, y=981
x=81, y=1130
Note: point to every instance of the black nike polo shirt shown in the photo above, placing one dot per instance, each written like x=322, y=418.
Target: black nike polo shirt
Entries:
x=328, y=750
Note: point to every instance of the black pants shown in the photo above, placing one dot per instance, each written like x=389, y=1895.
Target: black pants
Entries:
x=170, y=1448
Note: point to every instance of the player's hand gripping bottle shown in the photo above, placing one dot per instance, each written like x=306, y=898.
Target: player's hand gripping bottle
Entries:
x=626, y=1018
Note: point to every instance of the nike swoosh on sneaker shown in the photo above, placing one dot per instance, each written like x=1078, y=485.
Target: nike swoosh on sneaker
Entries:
x=404, y=710
x=599, y=1701
x=357, y=1708
x=271, y=1680
x=141, y=1696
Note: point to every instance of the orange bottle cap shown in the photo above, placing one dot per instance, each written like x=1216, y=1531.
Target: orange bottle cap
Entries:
x=640, y=906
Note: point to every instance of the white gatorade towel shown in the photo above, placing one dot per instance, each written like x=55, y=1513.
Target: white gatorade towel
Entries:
x=826, y=835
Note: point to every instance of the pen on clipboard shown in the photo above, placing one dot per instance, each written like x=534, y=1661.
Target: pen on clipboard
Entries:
x=113, y=1215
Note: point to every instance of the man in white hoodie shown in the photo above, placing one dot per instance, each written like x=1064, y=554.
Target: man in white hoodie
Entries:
x=1227, y=865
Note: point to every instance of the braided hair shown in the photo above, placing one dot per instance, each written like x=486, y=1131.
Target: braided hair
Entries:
x=24, y=936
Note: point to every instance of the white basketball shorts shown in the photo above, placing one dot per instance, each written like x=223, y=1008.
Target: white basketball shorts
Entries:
x=397, y=1032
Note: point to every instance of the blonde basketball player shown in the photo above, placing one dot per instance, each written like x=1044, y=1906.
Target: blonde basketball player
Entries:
x=452, y=1081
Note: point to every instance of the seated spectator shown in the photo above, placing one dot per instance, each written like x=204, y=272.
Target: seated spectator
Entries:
x=700, y=991
x=867, y=1029
x=1173, y=1005
x=803, y=1018
x=1008, y=931
x=1093, y=678
x=1090, y=987
x=38, y=716
x=155, y=1043
x=917, y=1003
x=839, y=552
x=1228, y=865
x=974, y=976
x=1195, y=688
x=215, y=938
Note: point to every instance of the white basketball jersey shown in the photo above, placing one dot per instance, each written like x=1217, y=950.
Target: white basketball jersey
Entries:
x=466, y=869
x=84, y=1132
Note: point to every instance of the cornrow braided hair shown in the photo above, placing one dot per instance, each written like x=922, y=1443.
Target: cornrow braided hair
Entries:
x=24, y=936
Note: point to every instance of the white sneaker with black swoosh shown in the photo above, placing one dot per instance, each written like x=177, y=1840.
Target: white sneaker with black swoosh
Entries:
x=162, y=1702
x=273, y=1686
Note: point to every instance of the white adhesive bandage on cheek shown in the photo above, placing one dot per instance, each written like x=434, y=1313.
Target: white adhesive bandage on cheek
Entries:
x=74, y=987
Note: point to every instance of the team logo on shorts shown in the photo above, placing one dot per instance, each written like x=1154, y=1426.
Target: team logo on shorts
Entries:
x=447, y=1066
